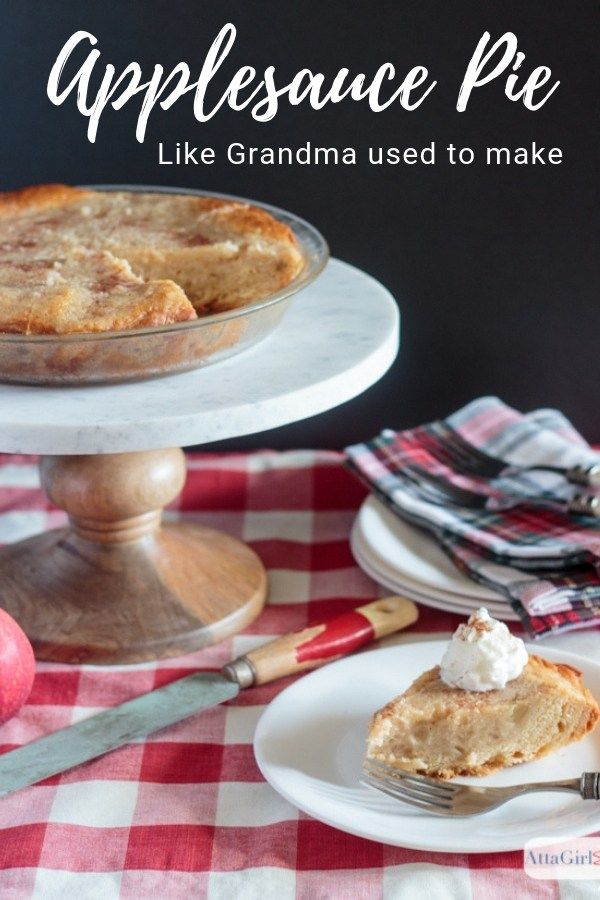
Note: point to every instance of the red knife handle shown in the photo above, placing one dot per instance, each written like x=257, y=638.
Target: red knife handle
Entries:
x=319, y=644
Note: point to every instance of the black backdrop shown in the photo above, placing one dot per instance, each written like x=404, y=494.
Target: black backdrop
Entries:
x=493, y=267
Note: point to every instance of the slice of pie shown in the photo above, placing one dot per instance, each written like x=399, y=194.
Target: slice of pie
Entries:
x=442, y=731
x=80, y=260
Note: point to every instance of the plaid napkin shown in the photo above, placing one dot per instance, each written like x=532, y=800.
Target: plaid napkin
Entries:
x=523, y=542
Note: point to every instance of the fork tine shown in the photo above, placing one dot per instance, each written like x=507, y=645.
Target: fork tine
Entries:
x=466, y=455
x=444, y=455
x=427, y=805
x=377, y=769
x=444, y=793
x=411, y=790
x=452, y=492
x=478, y=462
x=414, y=790
x=440, y=441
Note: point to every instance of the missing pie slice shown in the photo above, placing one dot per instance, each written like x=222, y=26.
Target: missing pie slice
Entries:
x=442, y=731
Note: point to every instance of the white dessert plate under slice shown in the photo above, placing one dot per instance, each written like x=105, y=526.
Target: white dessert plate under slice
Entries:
x=428, y=596
x=412, y=552
x=310, y=742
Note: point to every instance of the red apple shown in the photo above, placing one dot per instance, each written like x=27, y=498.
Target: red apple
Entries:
x=17, y=667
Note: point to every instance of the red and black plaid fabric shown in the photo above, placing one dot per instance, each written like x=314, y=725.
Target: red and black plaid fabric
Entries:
x=186, y=812
x=512, y=531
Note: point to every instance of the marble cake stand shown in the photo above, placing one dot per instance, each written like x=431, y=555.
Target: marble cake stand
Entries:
x=116, y=585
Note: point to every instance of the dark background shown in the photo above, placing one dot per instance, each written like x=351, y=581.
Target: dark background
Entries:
x=493, y=267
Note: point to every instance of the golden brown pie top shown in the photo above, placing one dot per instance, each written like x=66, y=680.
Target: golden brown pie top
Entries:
x=74, y=260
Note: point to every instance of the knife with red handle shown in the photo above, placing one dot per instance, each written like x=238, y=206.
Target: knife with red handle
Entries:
x=319, y=644
x=297, y=652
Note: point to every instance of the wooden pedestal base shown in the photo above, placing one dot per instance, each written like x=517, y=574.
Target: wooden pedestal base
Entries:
x=116, y=586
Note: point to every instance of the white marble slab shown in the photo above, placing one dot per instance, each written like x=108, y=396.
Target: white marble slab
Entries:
x=339, y=337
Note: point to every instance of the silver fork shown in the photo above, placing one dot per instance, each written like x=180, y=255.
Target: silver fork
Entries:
x=452, y=449
x=580, y=504
x=443, y=798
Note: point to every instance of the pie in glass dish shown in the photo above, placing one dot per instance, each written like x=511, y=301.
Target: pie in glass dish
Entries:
x=75, y=260
x=444, y=730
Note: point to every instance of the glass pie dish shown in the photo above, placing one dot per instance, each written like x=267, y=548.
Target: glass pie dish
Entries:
x=113, y=356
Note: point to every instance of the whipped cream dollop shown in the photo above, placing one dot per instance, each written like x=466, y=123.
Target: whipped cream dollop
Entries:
x=483, y=655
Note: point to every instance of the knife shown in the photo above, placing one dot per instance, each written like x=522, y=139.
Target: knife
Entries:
x=296, y=652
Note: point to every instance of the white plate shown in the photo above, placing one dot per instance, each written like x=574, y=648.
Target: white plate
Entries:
x=310, y=742
x=437, y=599
x=411, y=552
x=449, y=602
x=398, y=587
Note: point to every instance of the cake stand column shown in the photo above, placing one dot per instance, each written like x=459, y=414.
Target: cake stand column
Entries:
x=116, y=585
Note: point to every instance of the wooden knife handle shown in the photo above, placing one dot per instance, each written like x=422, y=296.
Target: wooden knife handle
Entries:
x=319, y=644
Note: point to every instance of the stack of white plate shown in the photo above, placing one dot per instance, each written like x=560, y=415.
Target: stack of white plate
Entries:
x=406, y=560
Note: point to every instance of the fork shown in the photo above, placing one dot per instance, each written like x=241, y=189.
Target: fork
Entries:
x=580, y=504
x=444, y=798
x=449, y=447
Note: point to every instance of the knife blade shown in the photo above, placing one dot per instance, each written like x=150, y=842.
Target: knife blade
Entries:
x=112, y=728
x=302, y=650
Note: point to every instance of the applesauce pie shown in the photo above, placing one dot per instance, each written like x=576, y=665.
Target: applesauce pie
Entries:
x=441, y=731
x=488, y=705
x=75, y=260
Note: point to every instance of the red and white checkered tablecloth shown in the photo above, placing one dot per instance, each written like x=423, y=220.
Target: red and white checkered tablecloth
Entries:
x=186, y=812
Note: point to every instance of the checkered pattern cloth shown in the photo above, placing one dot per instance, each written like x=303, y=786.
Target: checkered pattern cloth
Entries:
x=186, y=812
x=522, y=542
